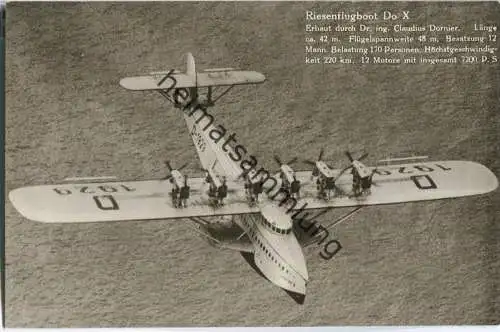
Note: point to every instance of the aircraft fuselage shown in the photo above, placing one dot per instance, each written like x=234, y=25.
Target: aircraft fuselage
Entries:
x=277, y=255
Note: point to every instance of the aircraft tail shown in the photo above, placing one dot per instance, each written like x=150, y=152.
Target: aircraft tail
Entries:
x=193, y=76
x=190, y=66
x=165, y=80
x=212, y=156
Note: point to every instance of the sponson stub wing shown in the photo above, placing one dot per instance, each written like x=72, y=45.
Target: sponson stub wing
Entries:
x=227, y=236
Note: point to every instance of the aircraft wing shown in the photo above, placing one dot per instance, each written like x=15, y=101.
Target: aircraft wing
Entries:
x=408, y=183
x=120, y=201
x=145, y=200
x=161, y=81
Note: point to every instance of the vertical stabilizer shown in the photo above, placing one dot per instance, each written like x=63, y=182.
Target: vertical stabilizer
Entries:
x=190, y=66
x=191, y=72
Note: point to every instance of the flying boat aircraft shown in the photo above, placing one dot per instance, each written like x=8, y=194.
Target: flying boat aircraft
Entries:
x=259, y=205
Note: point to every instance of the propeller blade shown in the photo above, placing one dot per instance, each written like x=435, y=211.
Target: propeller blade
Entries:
x=169, y=167
x=371, y=177
x=292, y=161
x=209, y=94
x=182, y=167
x=321, y=154
x=348, y=154
x=243, y=175
x=342, y=172
x=363, y=156
x=278, y=160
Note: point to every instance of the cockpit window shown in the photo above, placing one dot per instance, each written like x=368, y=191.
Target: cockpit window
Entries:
x=276, y=229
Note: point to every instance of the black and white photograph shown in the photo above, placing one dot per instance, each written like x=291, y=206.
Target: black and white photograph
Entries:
x=194, y=164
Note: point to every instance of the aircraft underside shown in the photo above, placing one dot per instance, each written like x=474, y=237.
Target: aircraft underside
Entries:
x=230, y=233
x=250, y=259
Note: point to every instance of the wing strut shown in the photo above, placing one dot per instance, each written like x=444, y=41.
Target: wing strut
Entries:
x=344, y=217
x=242, y=234
x=336, y=222
x=212, y=102
x=205, y=234
x=199, y=221
x=165, y=94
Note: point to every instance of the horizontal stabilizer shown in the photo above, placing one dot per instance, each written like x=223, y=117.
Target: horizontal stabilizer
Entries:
x=204, y=79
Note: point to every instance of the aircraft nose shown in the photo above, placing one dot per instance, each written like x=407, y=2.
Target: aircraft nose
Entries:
x=300, y=265
x=296, y=260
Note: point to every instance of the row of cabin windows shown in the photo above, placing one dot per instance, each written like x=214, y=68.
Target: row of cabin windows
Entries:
x=268, y=252
x=252, y=234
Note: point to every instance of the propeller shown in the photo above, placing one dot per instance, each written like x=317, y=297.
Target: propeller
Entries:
x=170, y=169
x=280, y=162
x=313, y=163
x=343, y=171
x=351, y=159
x=320, y=157
x=243, y=175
